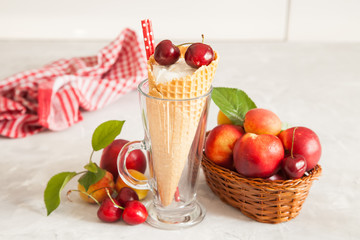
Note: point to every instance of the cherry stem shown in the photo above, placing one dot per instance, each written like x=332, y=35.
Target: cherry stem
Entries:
x=70, y=191
x=189, y=43
x=98, y=190
x=182, y=44
x=292, y=143
x=112, y=200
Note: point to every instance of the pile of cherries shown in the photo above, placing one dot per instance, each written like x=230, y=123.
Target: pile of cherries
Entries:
x=125, y=205
x=196, y=55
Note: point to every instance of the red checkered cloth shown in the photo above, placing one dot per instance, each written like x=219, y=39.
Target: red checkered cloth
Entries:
x=51, y=97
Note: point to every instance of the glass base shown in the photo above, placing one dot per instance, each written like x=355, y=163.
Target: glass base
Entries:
x=181, y=218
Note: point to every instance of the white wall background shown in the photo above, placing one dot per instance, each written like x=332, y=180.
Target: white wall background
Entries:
x=248, y=20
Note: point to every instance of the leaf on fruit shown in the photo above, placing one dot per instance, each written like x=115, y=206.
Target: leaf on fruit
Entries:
x=53, y=189
x=106, y=133
x=234, y=103
x=90, y=178
x=92, y=167
x=284, y=126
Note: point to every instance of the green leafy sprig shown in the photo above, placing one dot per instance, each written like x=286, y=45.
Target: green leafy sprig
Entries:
x=103, y=135
x=234, y=103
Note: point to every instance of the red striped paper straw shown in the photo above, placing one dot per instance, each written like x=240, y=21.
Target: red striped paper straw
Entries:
x=151, y=36
x=148, y=35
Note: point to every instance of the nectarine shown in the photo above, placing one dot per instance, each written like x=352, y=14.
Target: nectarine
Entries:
x=262, y=121
x=222, y=118
x=306, y=143
x=258, y=155
x=97, y=190
x=277, y=176
x=220, y=143
x=136, y=159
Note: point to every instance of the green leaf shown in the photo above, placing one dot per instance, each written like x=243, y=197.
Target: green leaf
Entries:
x=284, y=126
x=234, y=103
x=90, y=178
x=105, y=134
x=53, y=189
x=91, y=167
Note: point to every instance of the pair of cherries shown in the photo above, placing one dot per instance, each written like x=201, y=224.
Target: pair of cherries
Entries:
x=125, y=205
x=196, y=55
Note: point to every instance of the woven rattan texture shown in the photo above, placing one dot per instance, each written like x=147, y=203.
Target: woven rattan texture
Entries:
x=262, y=200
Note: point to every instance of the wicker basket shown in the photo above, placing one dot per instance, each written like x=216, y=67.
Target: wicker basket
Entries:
x=262, y=200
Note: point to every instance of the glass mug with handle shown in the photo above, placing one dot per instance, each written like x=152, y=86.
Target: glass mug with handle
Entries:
x=174, y=139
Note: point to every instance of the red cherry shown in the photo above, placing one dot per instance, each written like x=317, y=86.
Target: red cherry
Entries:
x=126, y=195
x=294, y=166
x=135, y=213
x=108, y=212
x=166, y=53
x=177, y=195
x=199, y=54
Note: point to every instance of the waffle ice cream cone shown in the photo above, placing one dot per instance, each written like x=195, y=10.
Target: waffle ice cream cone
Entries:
x=173, y=124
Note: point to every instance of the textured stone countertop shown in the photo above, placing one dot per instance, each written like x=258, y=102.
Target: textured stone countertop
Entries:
x=314, y=85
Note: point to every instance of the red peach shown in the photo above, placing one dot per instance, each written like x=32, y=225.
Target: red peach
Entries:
x=262, y=121
x=306, y=143
x=220, y=143
x=258, y=155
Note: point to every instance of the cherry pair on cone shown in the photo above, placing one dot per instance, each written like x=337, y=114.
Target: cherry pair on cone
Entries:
x=196, y=55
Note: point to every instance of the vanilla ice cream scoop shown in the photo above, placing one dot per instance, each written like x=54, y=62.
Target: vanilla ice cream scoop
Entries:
x=177, y=70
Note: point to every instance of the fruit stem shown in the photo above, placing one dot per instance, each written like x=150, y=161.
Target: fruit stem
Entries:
x=182, y=44
x=70, y=191
x=292, y=143
x=189, y=43
x=112, y=200
x=99, y=189
x=90, y=161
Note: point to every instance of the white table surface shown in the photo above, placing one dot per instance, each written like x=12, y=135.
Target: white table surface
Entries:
x=314, y=85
